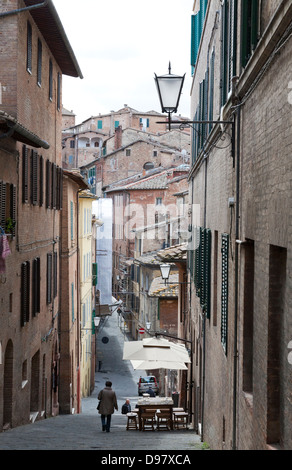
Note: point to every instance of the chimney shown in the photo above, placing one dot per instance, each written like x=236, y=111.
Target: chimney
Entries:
x=118, y=137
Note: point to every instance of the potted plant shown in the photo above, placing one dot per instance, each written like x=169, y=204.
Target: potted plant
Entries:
x=9, y=226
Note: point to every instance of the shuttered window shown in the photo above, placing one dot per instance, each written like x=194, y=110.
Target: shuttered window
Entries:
x=224, y=291
x=24, y=174
x=50, y=80
x=40, y=61
x=53, y=186
x=25, y=292
x=8, y=207
x=41, y=195
x=48, y=184
x=196, y=31
x=249, y=29
x=94, y=274
x=34, y=180
x=58, y=92
x=71, y=220
x=72, y=302
x=2, y=204
x=29, y=48
x=49, y=277
x=228, y=50
x=36, y=284
x=202, y=267
x=55, y=277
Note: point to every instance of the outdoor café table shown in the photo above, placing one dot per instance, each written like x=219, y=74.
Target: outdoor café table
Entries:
x=157, y=403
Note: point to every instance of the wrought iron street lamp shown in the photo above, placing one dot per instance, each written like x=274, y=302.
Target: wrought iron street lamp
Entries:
x=169, y=89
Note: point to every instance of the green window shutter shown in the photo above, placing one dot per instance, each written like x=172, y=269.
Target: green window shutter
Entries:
x=224, y=291
x=249, y=29
x=99, y=124
x=117, y=123
x=207, y=273
x=194, y=45
x=94, y=274
x=211, y=89
x=147, y=122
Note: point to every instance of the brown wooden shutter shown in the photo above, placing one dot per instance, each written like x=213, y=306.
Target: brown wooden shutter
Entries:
x=34, y=177
x=48, y=184
x=24, y=174
x=41, y=181
x=49, y=278
x=25, y=292
x=36, y=287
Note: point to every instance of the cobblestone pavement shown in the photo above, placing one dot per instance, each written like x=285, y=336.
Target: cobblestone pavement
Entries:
x=83, y=431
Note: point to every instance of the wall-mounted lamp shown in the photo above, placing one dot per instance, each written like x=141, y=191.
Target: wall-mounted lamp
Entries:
x=165, y=270
x=169, y=89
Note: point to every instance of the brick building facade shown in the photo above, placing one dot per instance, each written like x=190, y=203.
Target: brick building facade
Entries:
x=35, y=54
x=240, y=267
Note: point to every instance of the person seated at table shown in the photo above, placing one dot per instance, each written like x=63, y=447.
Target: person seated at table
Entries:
x=151, y=392
x=126, y=408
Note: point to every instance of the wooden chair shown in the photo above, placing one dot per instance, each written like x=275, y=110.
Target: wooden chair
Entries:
x=148, y=419
x=132, y=422
x=180, y=419
x=164, y=419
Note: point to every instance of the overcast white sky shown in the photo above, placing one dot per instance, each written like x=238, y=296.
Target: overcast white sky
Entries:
x=119, y=45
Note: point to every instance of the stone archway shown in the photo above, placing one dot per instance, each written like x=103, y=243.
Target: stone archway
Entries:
x=8, y=386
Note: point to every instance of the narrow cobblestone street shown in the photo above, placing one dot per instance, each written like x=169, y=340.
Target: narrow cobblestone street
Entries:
x=83, y=431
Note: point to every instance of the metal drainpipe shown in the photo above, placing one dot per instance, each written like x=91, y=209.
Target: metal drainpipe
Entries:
x=235, y=351
x=20, y=10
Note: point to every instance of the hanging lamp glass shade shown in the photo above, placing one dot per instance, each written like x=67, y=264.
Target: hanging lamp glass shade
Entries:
x=169, y=89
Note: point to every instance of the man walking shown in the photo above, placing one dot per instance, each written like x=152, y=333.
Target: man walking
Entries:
x=108, y=404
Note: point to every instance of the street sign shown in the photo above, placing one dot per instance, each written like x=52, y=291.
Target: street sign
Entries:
x=141, y=331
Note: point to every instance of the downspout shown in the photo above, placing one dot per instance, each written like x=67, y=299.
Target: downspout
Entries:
x=235, y=349
x=204, y=314
x=20, y=10
x=78, y=306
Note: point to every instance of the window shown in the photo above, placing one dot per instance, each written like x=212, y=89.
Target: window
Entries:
x=25, y=292
x=202, y=268
x=249, y=29
x=155, y=153
x=49, y=277
x=58, y=91
x=224, y=291
x=99, y=124
x=34, y=177
x=50, y=80
x=128, y=152
x=159, y=201
x=40, y=58
x=48, y=185
x=55, y=277
x=24, y=174
x=71, y=220
x=8, y=207
x=36, y=278
x=72, y=302
x=196, y=31
x=228, y=51
x=29, y=48
x=117, y=123
x=72, y=144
